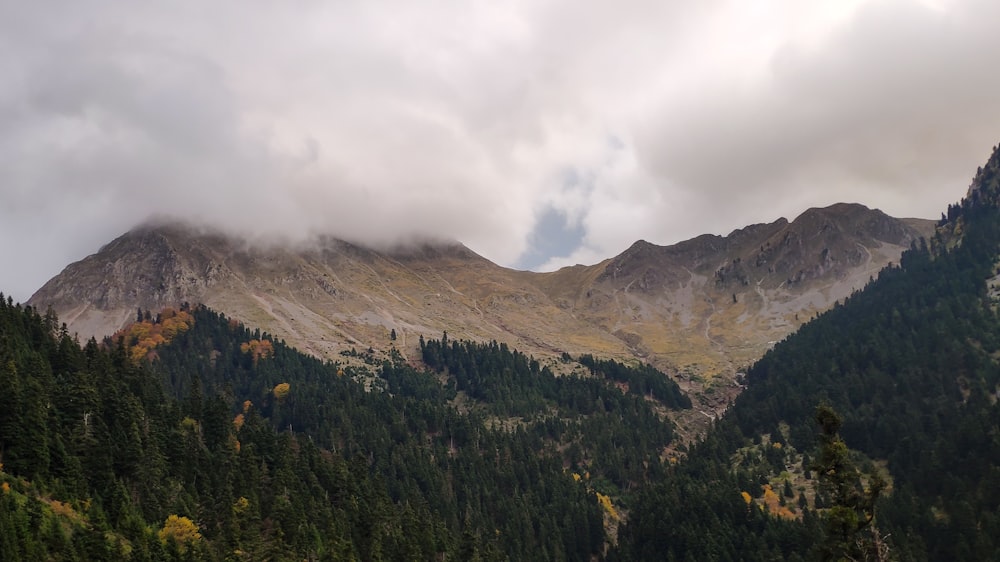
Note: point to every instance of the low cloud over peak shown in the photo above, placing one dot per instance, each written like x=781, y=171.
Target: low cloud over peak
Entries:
x=538, y=133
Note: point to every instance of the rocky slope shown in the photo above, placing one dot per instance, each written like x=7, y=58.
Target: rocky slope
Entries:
x=715, y=301
x=700, y=308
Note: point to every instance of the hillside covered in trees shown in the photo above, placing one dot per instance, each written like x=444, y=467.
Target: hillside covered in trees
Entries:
x=911, y=363
x=189, y=436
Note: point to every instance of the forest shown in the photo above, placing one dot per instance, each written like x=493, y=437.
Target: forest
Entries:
x=189, y=436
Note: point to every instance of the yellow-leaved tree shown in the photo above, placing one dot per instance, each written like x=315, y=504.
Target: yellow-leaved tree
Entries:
x=180, y=529
x=281, y=390
x=605, y=502
x=773, y=503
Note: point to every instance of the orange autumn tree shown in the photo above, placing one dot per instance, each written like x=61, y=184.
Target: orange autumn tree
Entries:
x=143, y=336
x=258, y=349
x=773, y=503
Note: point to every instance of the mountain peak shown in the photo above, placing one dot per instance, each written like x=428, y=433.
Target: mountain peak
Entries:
x=433, y=249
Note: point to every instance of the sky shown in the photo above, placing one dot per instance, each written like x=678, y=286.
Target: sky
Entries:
x=540, y=133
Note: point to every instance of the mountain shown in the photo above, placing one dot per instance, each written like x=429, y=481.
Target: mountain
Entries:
x=715, y=303
x=912, y=365
x=322, y=298
x=703, y=307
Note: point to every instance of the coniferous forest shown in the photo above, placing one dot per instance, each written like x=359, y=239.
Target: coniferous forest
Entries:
x=872, y=433
x=189, y=436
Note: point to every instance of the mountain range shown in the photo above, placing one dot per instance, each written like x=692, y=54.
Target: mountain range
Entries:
x=702, y=309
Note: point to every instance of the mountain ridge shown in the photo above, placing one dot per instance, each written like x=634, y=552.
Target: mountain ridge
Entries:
x=702, y=308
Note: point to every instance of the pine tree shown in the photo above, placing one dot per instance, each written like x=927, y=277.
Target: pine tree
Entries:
x=850, y=521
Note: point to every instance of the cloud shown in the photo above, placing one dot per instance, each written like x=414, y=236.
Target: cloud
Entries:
x=883, y=100
x=484, y=122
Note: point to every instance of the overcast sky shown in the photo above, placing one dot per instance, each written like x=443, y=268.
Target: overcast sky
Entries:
x=539, y=133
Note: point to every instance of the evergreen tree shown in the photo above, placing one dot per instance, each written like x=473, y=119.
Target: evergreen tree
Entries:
x=850, y=530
